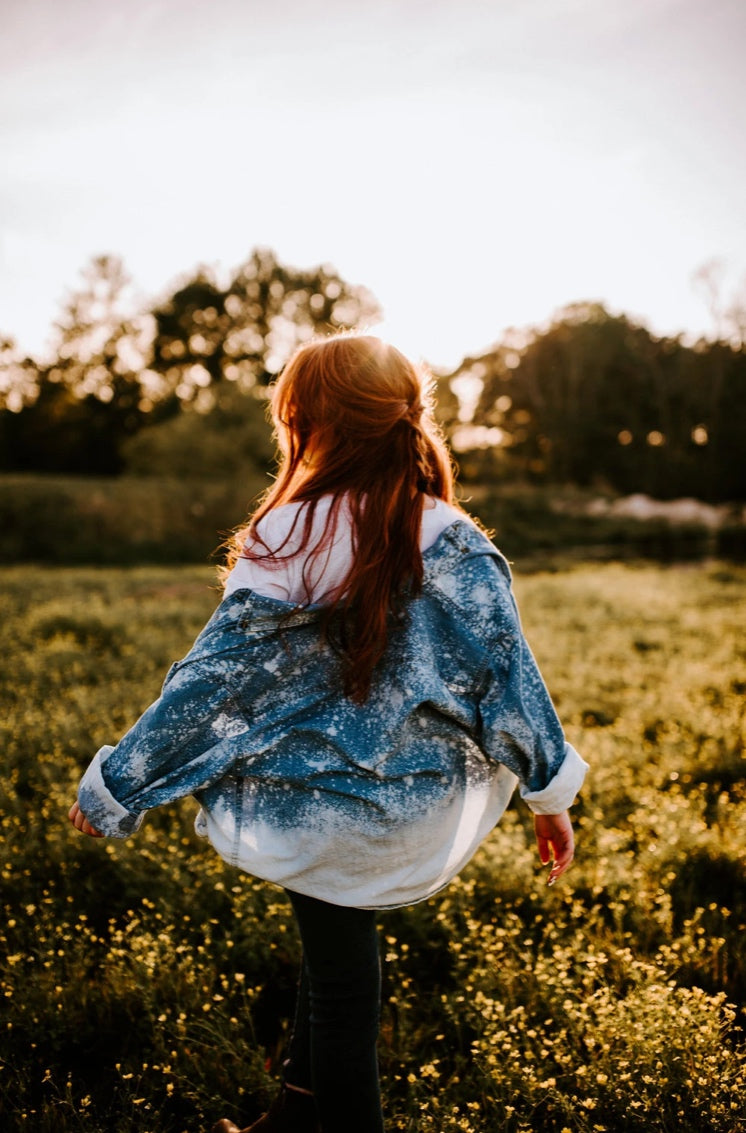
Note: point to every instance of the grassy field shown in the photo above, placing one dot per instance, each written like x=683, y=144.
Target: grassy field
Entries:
x=146, y=985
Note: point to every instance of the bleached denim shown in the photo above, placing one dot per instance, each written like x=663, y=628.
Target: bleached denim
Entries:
x=372, y=805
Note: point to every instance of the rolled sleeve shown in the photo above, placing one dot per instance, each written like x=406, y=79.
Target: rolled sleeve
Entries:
x=97, y=803
x=560, y=792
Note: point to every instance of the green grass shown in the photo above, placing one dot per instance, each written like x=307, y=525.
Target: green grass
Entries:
x=146, y=985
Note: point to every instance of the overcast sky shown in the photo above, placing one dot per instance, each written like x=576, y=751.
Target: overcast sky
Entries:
x=476, y=164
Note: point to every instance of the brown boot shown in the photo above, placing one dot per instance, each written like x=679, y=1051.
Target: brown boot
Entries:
x=290, y=1112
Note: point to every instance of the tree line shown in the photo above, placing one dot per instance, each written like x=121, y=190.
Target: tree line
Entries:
x=201, y=357
x=595, y=399
x=179, y=388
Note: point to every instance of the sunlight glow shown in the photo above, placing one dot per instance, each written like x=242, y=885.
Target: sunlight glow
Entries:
x=400, y=334
x=468, y=437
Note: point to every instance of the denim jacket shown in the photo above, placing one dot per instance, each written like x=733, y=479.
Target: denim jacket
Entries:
x=371, y=805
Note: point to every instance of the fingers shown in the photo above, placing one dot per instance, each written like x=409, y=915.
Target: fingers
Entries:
x=564, y=852
x=81, y=823
x=562, y=860
x=555, y=839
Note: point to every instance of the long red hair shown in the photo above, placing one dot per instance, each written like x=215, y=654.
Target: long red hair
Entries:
x=354, y=420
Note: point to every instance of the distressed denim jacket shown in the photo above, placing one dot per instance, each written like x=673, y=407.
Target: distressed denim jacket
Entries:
x=371, y=805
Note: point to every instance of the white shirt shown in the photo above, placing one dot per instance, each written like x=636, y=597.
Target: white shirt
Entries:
x=284, y=578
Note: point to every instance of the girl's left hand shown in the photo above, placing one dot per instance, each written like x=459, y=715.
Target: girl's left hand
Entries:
x=555, y=839
x=81, y=823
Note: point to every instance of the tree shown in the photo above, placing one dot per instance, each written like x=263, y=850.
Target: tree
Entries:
x=19, y=389
x=91, y=396
x=120, y=368
x=244, y=331
x=594, y=398
x=103, y=340
x=728, y=315
x=215, y=349
x=18, y=377
x=232, y=440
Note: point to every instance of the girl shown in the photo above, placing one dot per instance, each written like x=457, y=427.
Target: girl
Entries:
x=357, y=712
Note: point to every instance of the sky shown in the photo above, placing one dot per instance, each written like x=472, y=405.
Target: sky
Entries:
x=478, y=164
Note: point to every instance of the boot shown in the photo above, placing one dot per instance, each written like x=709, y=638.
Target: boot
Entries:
x=290, y=1112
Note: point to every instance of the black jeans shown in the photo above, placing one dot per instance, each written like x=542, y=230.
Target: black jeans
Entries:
x=333, y=1047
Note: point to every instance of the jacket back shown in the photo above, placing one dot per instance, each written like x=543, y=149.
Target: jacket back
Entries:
x=372, y=805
